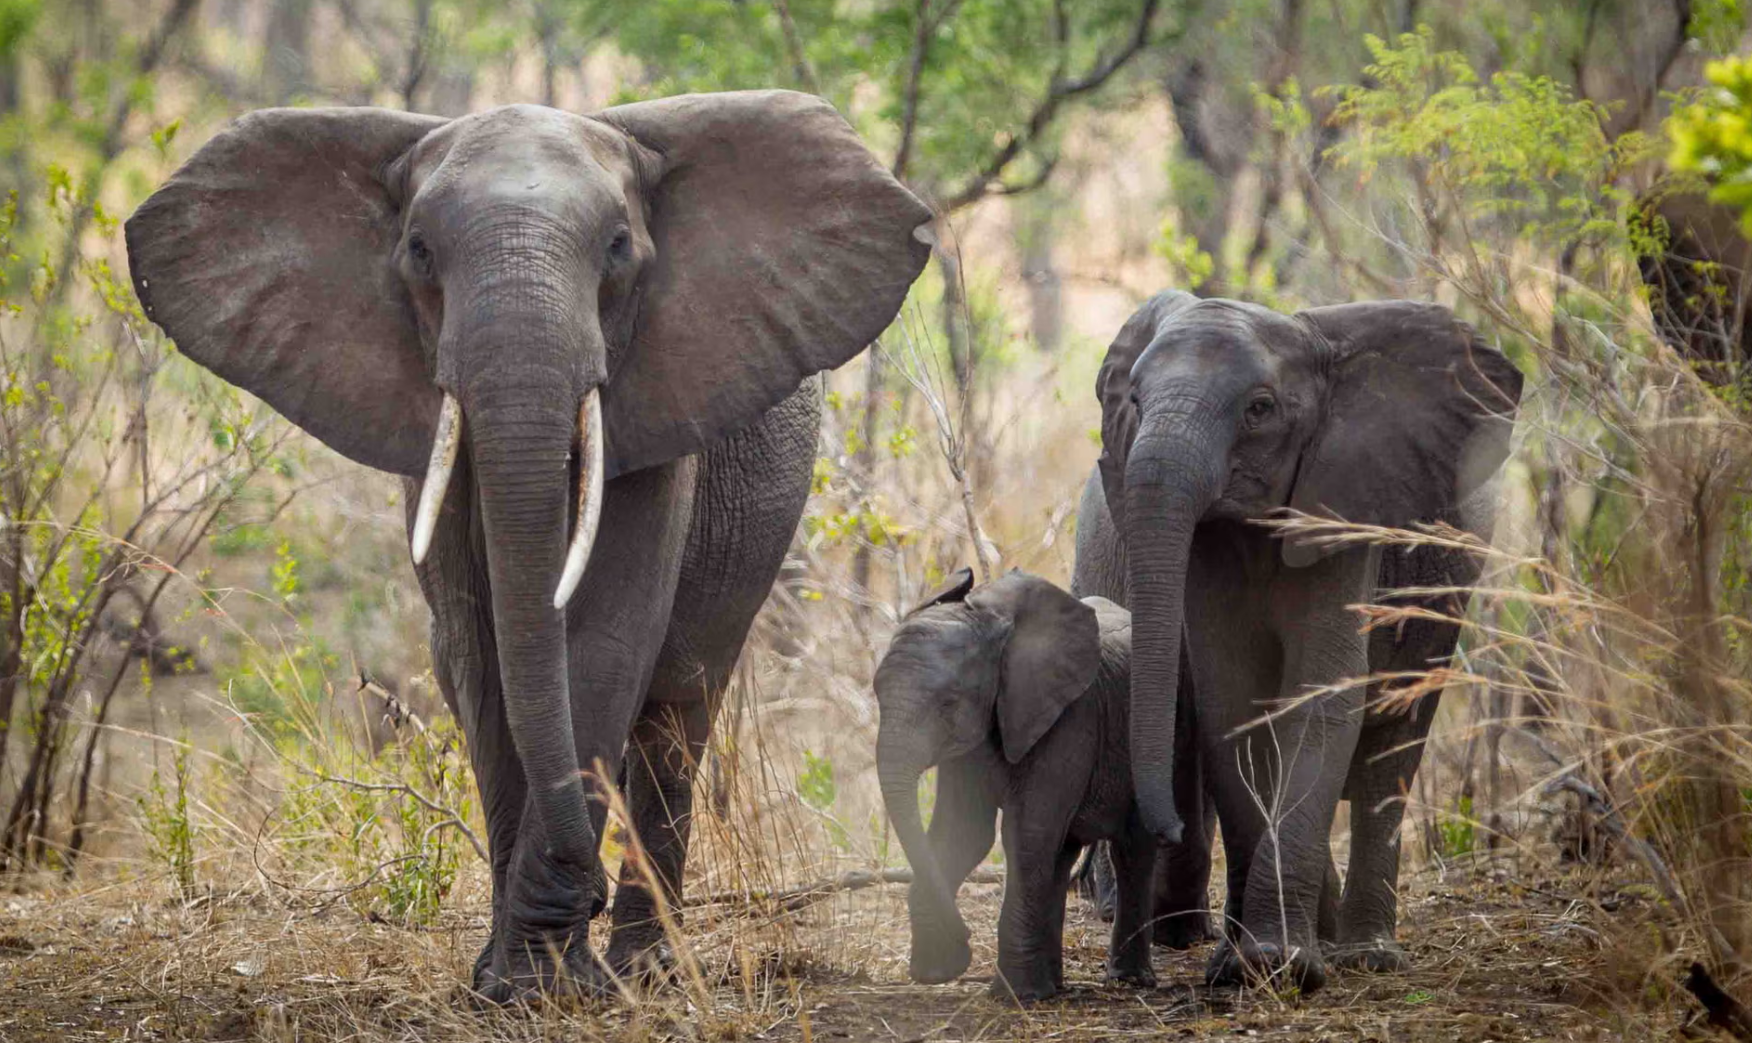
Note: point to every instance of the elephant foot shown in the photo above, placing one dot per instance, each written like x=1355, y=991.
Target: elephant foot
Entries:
x=638, y=948
x=646, y=961
x=935, y=964
x=1024, y=988
x=483, y=963
x=1180, y=931
x=1136, y=973
x=540, y=947
x=1264, y=965
x=534, y=976
x=1376, y=955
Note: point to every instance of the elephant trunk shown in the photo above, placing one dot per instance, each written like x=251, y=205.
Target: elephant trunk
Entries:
x=899, y=775
x=1170, y=481
x=519, y=393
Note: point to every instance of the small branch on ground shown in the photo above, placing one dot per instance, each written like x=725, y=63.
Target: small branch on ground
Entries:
x=794, y=898
x=1608, y=818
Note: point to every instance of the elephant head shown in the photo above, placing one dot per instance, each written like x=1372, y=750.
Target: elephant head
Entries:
x=1383, y=413
x=968, y=667
x=570, y=297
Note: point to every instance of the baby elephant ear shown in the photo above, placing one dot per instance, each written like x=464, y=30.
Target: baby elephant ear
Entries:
x=1418, y=416
x=782, y=248
x=1052, y=656
x=953, y=588
x=1119, y=417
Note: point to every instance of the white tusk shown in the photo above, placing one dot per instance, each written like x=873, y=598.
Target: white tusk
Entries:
x=444, y=446
x=589, y=496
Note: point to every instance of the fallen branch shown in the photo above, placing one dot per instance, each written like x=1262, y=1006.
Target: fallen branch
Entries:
x=795, y=898
x=1607, y=815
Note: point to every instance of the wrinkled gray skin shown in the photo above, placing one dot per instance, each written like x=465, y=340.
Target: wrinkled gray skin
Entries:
x=1018, y=693
x=696, y=259
x=1216, y=413
x=1180, y=895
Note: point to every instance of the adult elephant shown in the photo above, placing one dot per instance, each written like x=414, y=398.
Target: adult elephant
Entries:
x=1215, y=414
x=618, y=316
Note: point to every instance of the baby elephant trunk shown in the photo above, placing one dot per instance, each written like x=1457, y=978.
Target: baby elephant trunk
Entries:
x=940, y=951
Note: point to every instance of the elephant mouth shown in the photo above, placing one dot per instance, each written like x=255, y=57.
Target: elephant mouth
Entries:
x=590, y=452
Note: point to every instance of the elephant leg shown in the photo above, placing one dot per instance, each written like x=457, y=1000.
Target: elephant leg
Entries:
x=1031, y=923
x=1039, y=968
x=1183, y=870
x=1379, y=781
x=623, y=602
x=963, y=825
x=1388, y=754
x=1282, y=887
x=1134, y=863
x=1242, y=830
x=1292, y=768
x=750, y=493
x=1095, y=881
x=466, y=666
x=667, y=744
x=1326, y=917
x=476, y=701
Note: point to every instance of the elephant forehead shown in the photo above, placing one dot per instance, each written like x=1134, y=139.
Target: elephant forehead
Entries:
x=519, y=150
x=1247, y=341
x=941, y=647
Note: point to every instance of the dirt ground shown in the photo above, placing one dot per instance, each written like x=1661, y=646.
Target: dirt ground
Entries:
x=1500, y=955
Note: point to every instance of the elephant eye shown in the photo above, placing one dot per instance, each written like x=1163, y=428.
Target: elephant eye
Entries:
x=620, y=248
x=419, y=253
x=1260, y=408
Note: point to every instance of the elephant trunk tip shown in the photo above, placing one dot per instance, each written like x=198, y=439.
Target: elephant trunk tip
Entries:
x=1169, y=830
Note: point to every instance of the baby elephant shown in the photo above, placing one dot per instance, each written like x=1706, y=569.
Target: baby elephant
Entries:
x=1018, y=692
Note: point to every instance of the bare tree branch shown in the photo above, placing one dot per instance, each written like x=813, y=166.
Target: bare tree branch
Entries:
x=923, y=26
x=794, y=45
x=1059, y=91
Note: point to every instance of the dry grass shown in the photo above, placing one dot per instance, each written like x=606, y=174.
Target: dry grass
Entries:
x=1502, y=953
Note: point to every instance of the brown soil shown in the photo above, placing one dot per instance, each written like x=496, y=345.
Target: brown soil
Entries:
x=1499, y=957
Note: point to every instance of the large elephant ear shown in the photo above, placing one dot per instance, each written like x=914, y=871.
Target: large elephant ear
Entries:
x=1052, y=656
x=1418, y=416
x=782, y=249
x=267, y=259
x=1119, y=414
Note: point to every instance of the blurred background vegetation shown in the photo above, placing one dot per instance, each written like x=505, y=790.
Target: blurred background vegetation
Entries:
x=213, y=660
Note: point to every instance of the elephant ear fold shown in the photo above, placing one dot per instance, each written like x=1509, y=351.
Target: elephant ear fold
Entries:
x=1418, y=416
x=782, y=248
x=954, y=588
x=267, y=258
x=1052, y=656
x=1119, y=416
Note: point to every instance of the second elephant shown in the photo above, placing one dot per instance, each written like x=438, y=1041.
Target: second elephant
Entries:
x=1218, y=414
x=1017, y=691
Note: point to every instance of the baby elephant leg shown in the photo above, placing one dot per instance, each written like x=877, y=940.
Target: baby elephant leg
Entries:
x=1134, y=871
x=1039, y=859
